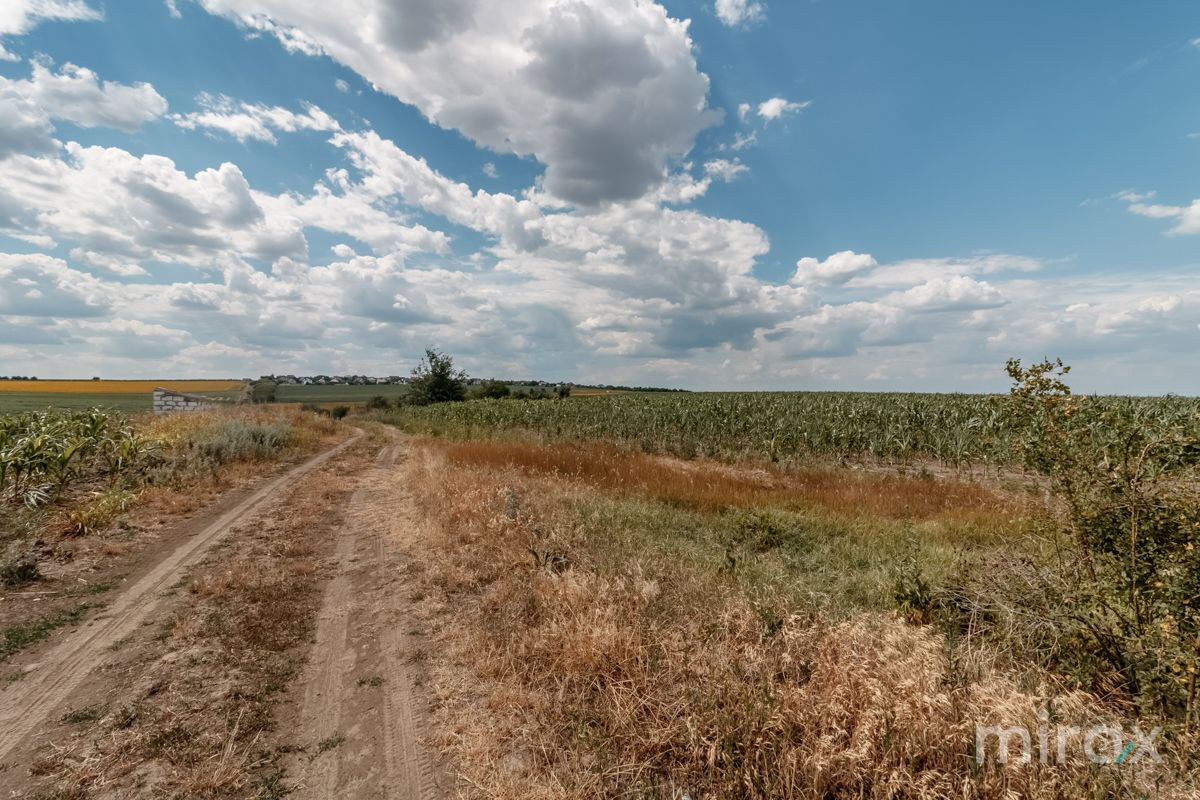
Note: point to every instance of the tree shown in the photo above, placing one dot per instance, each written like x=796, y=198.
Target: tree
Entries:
x=435, y=380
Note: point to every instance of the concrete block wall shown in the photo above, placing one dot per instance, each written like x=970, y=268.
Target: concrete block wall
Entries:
x=169, y=402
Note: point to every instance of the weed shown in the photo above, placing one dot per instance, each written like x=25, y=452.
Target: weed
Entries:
x=79, y=716
x=374, y=680
x=329, y=743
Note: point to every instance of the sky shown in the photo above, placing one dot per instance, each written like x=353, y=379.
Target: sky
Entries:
x=707, y=194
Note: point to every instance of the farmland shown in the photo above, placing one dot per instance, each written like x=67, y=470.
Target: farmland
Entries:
x=751, y=595
x=953, y=428
x=120, y=395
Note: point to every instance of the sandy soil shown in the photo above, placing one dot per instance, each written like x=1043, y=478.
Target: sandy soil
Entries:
x=361, y=699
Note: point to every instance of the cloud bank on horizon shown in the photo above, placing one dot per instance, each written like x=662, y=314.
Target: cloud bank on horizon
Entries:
x=611, y=190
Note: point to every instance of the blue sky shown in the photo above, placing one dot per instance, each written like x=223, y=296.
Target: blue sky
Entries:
x=719, y=194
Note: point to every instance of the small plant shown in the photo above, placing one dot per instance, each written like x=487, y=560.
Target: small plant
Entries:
x=18, y=564
x=329, y=743
x=339, y=412
x=79, y=716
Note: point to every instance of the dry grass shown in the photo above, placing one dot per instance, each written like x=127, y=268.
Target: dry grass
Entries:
x=712, y=487
x=607, y=674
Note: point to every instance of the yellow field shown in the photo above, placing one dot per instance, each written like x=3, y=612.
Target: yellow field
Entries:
x=115, y=387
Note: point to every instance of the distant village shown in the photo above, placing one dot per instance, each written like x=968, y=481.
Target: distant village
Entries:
x=368, y=380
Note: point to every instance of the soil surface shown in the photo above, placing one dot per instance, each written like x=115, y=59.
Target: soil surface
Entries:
x=354, y=715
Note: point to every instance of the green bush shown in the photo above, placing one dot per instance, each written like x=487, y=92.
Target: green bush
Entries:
x=339, y=412
x=378, y=403
x=1124, y=589
x=494, y=390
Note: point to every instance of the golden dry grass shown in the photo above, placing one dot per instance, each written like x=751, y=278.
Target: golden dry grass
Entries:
x=654, y=677
x=712, y=487
x=116, y=387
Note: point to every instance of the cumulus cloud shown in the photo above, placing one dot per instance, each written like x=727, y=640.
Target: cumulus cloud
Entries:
x=777, y=107
x=835, y=270
x=18, y=17
x=1187, y=218
x=36, y=285
x=73, y=94
x=244, y=121
x=77, y=95
x=739, y=12
x=604, y=94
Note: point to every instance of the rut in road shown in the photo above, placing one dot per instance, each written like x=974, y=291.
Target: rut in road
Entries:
x=361, y=712
x=25, y=705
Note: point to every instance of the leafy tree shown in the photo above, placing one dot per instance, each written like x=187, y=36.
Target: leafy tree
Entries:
x=435, y=380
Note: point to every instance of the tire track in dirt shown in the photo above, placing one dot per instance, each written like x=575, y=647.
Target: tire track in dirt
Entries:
x=361, y=708
x=26, y=704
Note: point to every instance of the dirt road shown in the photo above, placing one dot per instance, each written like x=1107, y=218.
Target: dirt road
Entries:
x=360, y=702
x=26, y=704
x=353, y=716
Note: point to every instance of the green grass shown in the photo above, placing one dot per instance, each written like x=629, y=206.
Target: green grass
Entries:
x=16, y=402
x=807, y=560
x=18, y=637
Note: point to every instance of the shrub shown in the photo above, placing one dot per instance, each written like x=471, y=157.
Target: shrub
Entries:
x=1124, y=589
x=494, y=390
x=378, y=403
x=339, y=412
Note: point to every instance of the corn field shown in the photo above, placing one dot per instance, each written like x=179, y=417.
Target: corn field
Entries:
x=42, y=453
x=954, y=428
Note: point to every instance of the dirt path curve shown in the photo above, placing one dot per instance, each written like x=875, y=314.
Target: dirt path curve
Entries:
x=26, y=704
x=361, y=703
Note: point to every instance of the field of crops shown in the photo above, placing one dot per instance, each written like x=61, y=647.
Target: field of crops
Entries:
x=955, y=428
x=18, y=396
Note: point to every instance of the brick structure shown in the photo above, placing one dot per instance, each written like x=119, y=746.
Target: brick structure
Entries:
x=169, y=402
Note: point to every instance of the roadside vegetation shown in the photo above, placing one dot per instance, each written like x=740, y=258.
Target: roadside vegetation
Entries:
x=620, y=622
x=81, y=492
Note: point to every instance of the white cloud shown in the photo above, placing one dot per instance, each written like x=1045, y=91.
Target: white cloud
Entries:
x=37, y=285
x=605, y=94
x=341, y=85
x=776, y=107
x=724, y=169
x=252, y=121
x=6, y=55
x=18, y=17
x=489, y=169
x=1188, y=217
x=173, y=9
x=835, y=270
x=741, y=141
x=743, y=111
x=739, y=12
x=74, y=94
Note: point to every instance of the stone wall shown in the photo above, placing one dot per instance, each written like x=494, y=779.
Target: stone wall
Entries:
x=169, y=402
